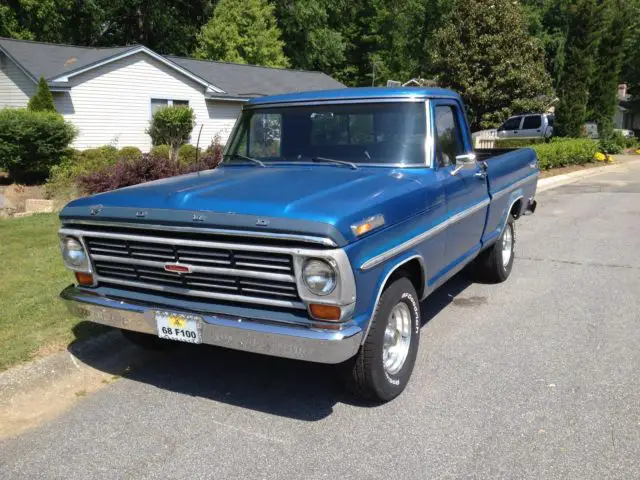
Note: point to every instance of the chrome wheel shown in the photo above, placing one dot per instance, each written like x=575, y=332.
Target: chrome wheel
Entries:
x=397, y=338
x=507, y=247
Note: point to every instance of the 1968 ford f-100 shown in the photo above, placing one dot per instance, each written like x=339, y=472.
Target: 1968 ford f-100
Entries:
x=332, y=216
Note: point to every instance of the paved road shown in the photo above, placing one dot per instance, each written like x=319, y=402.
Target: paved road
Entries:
x=535, y=378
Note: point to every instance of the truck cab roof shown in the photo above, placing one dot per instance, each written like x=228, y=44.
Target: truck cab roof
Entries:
x=361, y=93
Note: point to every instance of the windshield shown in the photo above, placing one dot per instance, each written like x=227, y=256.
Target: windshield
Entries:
x=382, y=133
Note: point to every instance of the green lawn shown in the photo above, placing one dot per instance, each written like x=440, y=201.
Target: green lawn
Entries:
x=33, y=320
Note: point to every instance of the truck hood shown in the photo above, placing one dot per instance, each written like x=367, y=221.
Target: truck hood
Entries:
x=312, y=199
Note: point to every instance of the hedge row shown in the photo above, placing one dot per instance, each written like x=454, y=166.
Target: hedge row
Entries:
x=561, y=152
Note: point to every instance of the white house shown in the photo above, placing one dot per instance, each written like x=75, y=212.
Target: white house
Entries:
x=111, y=93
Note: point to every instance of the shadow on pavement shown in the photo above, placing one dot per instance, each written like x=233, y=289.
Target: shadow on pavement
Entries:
x=288, y=388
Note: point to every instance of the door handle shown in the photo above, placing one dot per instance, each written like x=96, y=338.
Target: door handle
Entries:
x=480, y=175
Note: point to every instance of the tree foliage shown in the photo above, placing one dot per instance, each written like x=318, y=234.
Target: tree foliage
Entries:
x=367, y=42
x=582, y=42
x=243, y=31
x=603, y=92
x=488, y=56
x=42, y=101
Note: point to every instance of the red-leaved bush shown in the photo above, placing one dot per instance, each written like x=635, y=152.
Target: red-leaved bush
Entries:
x=145, y=168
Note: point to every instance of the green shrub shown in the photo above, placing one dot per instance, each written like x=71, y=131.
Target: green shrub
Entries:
x=610, y=146
x=187, y=154
x=129, y=153
x=32, y=141
x=63, y=178
x=42, y=101
x=630, y=142
x=562, y=152
x=161, y=151
x=519, y=142
x=172, y=126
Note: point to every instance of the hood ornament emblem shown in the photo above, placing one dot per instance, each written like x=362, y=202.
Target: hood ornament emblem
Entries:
x=95, y=210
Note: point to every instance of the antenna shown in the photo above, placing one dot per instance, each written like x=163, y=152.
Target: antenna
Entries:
x=198, y=148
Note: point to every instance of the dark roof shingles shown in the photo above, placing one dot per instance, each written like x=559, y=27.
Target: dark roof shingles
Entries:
x=52, y=60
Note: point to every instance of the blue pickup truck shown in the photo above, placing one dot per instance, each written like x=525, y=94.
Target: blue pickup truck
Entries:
x=332, y=216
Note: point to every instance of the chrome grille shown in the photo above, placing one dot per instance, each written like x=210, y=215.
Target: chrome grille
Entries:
x=219, y=271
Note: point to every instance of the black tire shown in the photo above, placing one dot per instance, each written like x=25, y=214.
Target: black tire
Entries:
x=147, y=341
x=364, y=375
x=489, y=266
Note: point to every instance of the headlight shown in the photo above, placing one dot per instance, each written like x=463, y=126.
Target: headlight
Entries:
x=319, y=277
x=74, y=255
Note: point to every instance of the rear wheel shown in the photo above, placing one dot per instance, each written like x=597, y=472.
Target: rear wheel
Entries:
x=147, y=341
x=495, y=264
x=383, y=366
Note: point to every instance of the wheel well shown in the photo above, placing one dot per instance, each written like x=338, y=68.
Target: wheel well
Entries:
x=413, y=271
x=516, y=208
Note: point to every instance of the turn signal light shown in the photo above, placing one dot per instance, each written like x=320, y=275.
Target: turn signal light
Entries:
x=325, y=312
x=85, y=279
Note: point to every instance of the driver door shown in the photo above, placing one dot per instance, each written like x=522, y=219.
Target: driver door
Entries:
x=466, y=191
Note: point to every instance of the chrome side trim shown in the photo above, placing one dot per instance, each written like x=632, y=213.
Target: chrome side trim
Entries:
x=504, y=191
x=392, y=252
x=287, y=341
x=202, y=294
x=384, y=282
x=327, y=242
x=280, y=277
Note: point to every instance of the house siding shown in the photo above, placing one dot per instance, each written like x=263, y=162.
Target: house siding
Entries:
x=112, y=104
x=16, y=88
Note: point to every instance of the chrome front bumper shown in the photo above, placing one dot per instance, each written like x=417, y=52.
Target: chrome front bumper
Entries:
x=238, y=333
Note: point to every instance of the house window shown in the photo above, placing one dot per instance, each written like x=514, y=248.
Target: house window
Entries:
x=158, y=103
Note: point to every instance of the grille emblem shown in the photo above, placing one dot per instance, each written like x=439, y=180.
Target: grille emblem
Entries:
x=178, y=268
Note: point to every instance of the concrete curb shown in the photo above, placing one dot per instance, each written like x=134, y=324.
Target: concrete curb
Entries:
x=567, y=178
x=110, y=352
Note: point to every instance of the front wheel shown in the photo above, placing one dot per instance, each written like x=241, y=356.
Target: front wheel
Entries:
x=383, y=366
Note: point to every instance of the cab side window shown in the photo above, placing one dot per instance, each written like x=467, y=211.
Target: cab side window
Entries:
x=532, y=122
x=448, y=144
x=512, y=124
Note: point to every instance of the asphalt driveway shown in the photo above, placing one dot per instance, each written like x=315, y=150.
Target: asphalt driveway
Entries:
x=535, y=378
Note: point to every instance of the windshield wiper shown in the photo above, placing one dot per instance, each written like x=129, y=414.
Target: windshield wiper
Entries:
x=333, y=160
x=244, y=157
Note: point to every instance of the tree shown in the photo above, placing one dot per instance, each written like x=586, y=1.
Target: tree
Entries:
x=310, y=30
x=42, y=101
x=166, y=26
x=603, y=94
x=582, y=43
x=631, y=64
x=488, y=56
x=172, y=126
x=242, y=31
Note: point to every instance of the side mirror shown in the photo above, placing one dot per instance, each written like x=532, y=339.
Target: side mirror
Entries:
x=464, y=162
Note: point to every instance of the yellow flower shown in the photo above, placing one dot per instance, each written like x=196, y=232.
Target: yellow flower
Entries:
x=600, y=157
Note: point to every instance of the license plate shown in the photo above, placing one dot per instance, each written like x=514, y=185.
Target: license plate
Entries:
x=179, y=327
